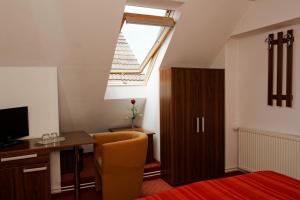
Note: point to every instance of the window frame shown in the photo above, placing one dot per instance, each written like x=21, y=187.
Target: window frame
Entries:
x=167, y=23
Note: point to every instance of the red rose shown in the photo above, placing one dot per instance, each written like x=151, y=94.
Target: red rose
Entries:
x=132, y=101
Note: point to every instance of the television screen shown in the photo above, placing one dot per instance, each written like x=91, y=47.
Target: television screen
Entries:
x=13, y=123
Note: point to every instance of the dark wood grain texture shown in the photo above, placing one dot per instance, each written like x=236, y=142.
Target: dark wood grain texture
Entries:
x=25, y=167
x=279, y=68
x=25, y=179
x=77, y=138
x=213, y=95
x=189, y=154
x=270, y=69
x=282, y=41
x=33, y=185
x=166, y=127
x=7, y=190
x=289, y=69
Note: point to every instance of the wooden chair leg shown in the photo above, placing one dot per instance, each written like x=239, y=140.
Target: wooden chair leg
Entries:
x=98, y=182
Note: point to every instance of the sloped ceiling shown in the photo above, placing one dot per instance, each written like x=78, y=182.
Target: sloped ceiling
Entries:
x=80, y=36
x=201, y=32
x=267, y=14
x=162, y=4
x=59, y=32
x=77, y=36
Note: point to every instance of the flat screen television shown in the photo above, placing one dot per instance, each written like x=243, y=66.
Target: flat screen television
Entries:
x=13, y=125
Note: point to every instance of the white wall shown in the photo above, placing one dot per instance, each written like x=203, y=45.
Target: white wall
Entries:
x=231, y=100
x=246, y=65
x=125, y=92
x=35, y=87
x=151, y=120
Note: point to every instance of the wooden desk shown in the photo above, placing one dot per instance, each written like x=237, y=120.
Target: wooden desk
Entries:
x=150, y=155
x=30, y=147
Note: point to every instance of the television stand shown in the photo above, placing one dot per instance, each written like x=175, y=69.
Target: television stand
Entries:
x=10, y=143
x=24, y=168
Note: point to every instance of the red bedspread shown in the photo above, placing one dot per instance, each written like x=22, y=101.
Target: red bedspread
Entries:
x=264, y=185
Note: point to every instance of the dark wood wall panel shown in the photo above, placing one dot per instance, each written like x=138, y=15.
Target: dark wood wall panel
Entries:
x=270, y=71
x=279, y=68
x=289, y=70
x=282, y=41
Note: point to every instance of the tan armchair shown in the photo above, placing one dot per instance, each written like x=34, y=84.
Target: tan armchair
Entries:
x=120, y=159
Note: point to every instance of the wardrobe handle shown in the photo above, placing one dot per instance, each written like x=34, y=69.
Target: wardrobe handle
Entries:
x=197, y=129
x=203, y=125
x=38, y=169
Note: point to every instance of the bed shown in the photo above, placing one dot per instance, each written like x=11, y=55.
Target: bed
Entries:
x=263, y=185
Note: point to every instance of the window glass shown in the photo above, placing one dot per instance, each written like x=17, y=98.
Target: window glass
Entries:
x=141, y=38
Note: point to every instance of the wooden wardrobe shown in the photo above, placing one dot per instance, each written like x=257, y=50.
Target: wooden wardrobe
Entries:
x=191, y=124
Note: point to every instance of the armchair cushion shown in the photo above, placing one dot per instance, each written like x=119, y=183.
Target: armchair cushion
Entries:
x=120, y=158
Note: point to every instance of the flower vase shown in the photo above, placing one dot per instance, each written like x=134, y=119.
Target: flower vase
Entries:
x=132, y=123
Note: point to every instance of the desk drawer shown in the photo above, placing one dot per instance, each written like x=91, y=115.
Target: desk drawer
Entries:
x=15, y=159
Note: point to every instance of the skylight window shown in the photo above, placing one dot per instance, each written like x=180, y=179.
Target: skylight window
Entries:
x=141, y=38
x=142, y=34
x=145, y=11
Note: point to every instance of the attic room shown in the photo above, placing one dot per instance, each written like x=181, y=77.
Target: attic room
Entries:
x=149, y=99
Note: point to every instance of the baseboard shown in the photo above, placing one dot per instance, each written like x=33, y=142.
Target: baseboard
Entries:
x=71, y=187
x=236, y=169
x=243, y=170
x=232, y=169
x=151, y=175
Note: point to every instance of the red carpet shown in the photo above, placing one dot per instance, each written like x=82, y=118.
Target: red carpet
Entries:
x=89, y=194
x=149, y=188
x=88, y=175
x=154, y=186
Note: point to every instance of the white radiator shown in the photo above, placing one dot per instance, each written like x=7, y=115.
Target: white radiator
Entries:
x=264, y=150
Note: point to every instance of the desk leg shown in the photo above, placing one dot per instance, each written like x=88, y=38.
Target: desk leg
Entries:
x=76, y=173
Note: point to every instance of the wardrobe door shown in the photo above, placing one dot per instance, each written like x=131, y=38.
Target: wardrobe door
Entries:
x=213, y=123
x=166, y=125
x=184, y=118
x=194, y=160
x=192, y=124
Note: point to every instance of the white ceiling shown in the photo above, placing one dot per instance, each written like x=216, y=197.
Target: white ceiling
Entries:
x=202, y=30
